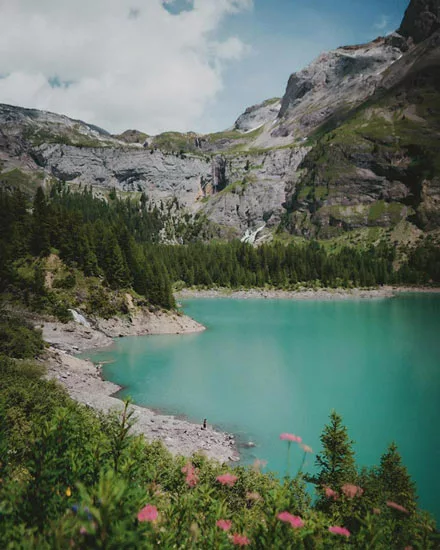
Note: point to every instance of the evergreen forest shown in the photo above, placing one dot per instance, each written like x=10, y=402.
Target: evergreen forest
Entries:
x=115, y=244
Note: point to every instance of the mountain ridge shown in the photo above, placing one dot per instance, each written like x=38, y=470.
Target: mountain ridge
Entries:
x=264, y=169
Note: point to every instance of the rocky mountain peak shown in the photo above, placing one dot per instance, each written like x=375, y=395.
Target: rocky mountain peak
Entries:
x=259, y=114
x=373, y=163
x=336, y=79
x=421, y=20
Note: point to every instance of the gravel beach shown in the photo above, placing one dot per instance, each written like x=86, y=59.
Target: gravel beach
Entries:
x=327, y=294
x=84, y=383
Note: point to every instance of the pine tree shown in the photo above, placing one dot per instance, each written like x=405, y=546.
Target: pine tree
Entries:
x=40, y=230
x=395, y=482
x=336, y=461
x=116, y=270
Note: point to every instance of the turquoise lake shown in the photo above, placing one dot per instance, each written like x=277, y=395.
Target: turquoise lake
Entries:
x=265, y=367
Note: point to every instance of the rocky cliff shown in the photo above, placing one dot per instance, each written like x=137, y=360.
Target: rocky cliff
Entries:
x=378, y=164
x=353, y=143
x=421, y=20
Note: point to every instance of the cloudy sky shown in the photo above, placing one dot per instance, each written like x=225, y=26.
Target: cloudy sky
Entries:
x=159, y=65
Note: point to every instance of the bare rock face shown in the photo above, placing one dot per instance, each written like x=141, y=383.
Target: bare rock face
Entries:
x=256, y=190
x=333, y=83
x=380, y=165
x=40, y=126
x=374, y=164
x=422, y=19
x=257, y=115
x=158, y=174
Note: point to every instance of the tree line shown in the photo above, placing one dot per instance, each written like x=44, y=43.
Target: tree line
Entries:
x=236, y=264
x=123, y=242
x=102, y=239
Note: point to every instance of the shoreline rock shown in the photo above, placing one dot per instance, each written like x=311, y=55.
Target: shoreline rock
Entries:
x=305, y=294
x=83, y=382
x=74, y=337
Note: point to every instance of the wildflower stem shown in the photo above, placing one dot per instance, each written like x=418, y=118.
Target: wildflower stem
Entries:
x=302, y=464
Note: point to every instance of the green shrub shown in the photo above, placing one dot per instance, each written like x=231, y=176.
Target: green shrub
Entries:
x=18, y=338
x=67, y=283
x=74, y=479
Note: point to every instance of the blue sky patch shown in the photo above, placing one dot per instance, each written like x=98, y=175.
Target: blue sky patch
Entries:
x=56, y=82
x=178, y=6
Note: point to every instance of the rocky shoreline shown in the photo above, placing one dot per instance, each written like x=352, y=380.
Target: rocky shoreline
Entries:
x=92, y=333
x=82, y=379
x=328, y=294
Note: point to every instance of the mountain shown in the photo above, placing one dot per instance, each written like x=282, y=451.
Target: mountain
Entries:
x=379, y=163
x=353, y=144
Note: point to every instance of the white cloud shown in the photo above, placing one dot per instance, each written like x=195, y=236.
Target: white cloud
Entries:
x=382, y=23
x=232, y=48
x=116, y=63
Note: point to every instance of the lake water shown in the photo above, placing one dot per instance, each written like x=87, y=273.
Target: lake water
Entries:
x=265, y=367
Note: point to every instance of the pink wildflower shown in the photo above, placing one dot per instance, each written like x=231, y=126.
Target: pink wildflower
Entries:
x=339, y=531
x=224, y=524
x=376, y=511
x=329, y=493
x=240, y=540
x=306, y=448
x=227, y=479
x=187, y=468
x=83, y=530
x=192, y=479
x=396, y=506
x=351, y=491
x=295, y=521
x=148, y=513
x=191, y=474
x=290, y=437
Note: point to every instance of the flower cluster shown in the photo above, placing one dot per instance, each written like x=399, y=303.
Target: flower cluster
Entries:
x=396, y=506
x=351, y=491
x=227, y=479
x=240, y=540
x=148, y=513
x=191, y=472
x=330, y=493
x=291, y=437
x=224, y=524
x=336, y=530
x=295, y=521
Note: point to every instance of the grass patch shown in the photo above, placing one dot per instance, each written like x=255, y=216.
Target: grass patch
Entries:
x=175, y=142
x=305, y=192
x=377, y=210
x=65, y=136
x=17, y=179
x=271, y=101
